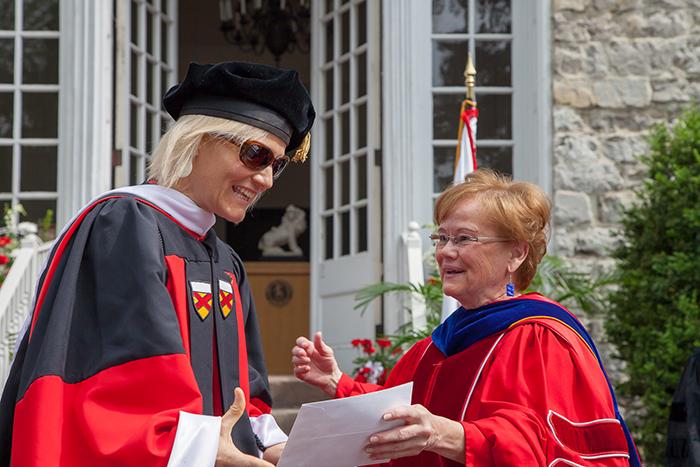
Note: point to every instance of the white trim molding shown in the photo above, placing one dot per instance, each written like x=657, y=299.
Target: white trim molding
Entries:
x=85, y=103
x=532, y=101
x=407, y=133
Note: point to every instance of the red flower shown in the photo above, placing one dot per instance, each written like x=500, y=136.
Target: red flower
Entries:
x=4, y=259
x=360, y=378
x=383, y=343
x=4, y=241
x=356, y=342
x=432, y=281
x=396, y=351
x=370, y=350
x=364, y=371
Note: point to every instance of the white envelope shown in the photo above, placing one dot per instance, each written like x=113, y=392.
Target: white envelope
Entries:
x=334, y=433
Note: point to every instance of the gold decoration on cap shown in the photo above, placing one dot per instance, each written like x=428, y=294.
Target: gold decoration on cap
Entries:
x=302, y=152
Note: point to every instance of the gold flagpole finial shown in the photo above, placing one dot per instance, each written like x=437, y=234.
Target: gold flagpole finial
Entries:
x=469, y=77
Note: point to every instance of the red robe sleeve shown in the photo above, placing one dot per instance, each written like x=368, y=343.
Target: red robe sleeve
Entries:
x=542, y=399
x=400, y=374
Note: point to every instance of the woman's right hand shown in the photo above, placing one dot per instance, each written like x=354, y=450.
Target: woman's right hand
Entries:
x=315, y=364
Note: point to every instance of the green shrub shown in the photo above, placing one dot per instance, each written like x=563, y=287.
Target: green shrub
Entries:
x=655, y=314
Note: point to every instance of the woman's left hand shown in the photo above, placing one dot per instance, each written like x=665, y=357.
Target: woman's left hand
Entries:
x=422, y=431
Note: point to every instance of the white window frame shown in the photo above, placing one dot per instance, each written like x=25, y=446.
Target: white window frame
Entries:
x=530, y=82
x=17, y=88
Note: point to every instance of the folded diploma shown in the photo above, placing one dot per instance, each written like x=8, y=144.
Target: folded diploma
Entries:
x=334, y=433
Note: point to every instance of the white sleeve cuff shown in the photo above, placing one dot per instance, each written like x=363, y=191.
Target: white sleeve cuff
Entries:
x=196, y=441
x=266, y=429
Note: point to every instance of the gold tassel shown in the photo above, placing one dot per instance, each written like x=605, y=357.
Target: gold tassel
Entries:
x=302, y=152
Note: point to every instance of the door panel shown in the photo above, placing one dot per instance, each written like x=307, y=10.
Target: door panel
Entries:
x=346, y=200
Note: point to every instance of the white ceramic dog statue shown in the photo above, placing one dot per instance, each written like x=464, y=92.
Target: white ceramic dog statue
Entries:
x=293, y=224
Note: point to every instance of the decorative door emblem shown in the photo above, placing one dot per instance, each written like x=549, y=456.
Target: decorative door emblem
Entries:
x=201, y=298
x=225, y=298
x=279, y=292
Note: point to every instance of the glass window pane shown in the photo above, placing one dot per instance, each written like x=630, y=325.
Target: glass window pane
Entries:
x=495, y=124
x=498, y=158
x=362, y=229
x=6, y=169
x=450, y=16
x=40, y=61
x=345, y=233
x=328, y=234
x=329, y=6
x=449, y=60
x=328, y=43
x=361, y=23
x=134, y=126
x=165, y=6
x=153, y=130
x=443, y=167
x=493, y=63
x=345, y=32
x=361, y=171
x=135, y=11
x=150, y=30
x=345, y=82
x=7, y=59
x=328, y=187
x=164, y=42
x=164, y=84
x=6, y=114
x=39, y=115
x=7, y=15
x=446, y=109
x=135, y=162
x=361, y=125
x=344, y=168
x=344, y=132
x=493, y=16
x=135, y=62
x=361, y=71
x=40, y=15
x=37, y=210
x=328, y=89
x=328, y=137
x=152, y=71
x=38, y=168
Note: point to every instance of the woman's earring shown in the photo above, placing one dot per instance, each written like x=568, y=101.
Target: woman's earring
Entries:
x=510, y=287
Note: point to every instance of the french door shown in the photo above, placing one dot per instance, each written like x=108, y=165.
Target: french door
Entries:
x=346, y=198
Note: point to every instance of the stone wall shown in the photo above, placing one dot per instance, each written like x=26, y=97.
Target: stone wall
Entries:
x=618, y=68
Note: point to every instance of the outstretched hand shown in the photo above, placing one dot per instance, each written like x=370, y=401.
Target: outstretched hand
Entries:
x=228, y=454
x=314, y=363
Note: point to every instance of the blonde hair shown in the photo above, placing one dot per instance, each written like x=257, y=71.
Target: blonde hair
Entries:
x=521, y=210
x=176, y=150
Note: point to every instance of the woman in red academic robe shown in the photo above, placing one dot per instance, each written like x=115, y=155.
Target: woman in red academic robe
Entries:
x=509, y=378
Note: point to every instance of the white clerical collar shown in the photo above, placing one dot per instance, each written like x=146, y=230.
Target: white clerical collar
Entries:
x=177, y=204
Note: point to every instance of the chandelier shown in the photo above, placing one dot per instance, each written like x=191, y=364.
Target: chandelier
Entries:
x=257, y=25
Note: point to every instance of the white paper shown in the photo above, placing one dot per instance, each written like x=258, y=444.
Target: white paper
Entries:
x=334, y=433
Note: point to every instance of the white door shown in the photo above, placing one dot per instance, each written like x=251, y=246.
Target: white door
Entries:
x=346, y=200
x=146, y=66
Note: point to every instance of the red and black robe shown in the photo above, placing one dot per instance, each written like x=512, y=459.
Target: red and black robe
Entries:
x=141, y=313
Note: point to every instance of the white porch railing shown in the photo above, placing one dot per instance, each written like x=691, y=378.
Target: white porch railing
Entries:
x=16, y=295
x=414, y=261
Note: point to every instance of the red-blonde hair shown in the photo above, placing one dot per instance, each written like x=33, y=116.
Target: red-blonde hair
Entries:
x=520, y=210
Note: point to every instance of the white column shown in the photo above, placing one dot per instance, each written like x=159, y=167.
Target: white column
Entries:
x=85, y=103
x=407, y=163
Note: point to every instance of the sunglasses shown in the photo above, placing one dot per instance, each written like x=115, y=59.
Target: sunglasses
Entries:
x=256, y=156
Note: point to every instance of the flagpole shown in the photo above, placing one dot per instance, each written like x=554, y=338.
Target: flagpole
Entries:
x=465, y=156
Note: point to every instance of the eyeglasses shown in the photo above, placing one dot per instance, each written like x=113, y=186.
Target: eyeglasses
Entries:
x=440, y=240
x=256, y=156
